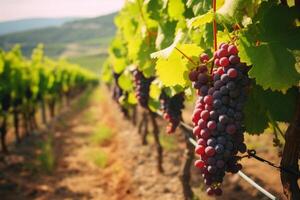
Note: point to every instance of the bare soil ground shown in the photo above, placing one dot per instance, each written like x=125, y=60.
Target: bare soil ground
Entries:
x=125, y=171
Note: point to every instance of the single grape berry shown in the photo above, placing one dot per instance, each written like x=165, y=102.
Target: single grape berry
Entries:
x=204, y=58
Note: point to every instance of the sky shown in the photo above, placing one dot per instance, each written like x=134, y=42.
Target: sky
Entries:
x=20, y=9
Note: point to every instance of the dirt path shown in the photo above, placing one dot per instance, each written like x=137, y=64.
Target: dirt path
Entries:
x=99, y=155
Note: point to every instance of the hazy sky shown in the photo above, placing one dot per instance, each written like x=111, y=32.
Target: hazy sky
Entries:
x=19, y=9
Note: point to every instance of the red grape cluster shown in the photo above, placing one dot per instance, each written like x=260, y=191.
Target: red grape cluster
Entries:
x=218, y=115
x=142, y=87
x=172, y=107
x=117, y=93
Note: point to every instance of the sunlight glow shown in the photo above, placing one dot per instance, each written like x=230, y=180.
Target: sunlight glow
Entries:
x=19, y=9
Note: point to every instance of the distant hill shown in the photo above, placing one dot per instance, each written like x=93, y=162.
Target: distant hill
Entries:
x=80, y=40
x=27, y=24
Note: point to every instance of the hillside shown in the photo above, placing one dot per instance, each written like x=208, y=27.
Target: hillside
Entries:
x=83, y=41
x=13, y=26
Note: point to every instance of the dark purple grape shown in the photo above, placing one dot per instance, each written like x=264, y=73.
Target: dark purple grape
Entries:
x=211, y=169
x=211, y=91
x=219, y=148
x=211, y=161
x=230, y=85
x=211, y=142
x=234, y=59
x=217, y=95
x=218, y=84
x=229, y=145
x=224, y=78
x=213, y=114
x=220, y=127
x=217, y=103
x=224, y=90
x=202, y=78
x=223, y=119
x=220, y=164
x=225, y=100
x=221, y=140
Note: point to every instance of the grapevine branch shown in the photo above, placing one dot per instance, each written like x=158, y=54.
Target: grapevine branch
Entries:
x=290, y=157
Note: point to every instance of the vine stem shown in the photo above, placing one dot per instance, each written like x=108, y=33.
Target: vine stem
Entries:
x=187, y=57
x=215, y=26
x=214, y=32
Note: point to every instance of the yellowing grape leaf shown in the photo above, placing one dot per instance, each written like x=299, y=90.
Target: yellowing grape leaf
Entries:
x=165, y=53
x=176, y=9
x=125, y=81
x=201, y=20
x=173, y=71
x=132, y=98
x=154, y=90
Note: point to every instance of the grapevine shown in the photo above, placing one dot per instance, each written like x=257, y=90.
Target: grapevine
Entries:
x=228, y=104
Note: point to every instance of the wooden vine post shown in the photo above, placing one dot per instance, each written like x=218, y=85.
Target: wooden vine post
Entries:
x=290, y=157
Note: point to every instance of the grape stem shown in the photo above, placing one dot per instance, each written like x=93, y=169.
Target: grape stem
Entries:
x=215, y=25
x=187, y=57
x=214, y=32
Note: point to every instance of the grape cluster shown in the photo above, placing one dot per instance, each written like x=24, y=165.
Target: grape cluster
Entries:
x=171, y=107
x=142, y=87
x=117, y=93
x=218, y=115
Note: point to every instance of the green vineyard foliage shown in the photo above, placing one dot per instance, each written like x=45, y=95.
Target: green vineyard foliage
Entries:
x=164, y=38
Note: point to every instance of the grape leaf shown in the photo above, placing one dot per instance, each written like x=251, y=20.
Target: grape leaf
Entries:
x=132, y=98
x=106, y=72
x=165, y=53
x=198, y=21
x=256, y=120
x=261, y=102
x=153, y=104
x=174, y=70
x=119, y=64
x=176, y=9
x=125, y=81
x=155, y=90
x=235, y=9
x=272, y=59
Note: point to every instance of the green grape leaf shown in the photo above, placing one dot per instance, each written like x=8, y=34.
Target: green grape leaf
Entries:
x=261, y=103
x=119, y=64
x=153, y=104
x=267, y=47
x=165, y=53
x=273, y=101
x=174, y=70
x=201, y=20
x=273, y=65
x=125, y=81
x=235, y=9
x=256, y=120
x=176, y=9
x=106, y=73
